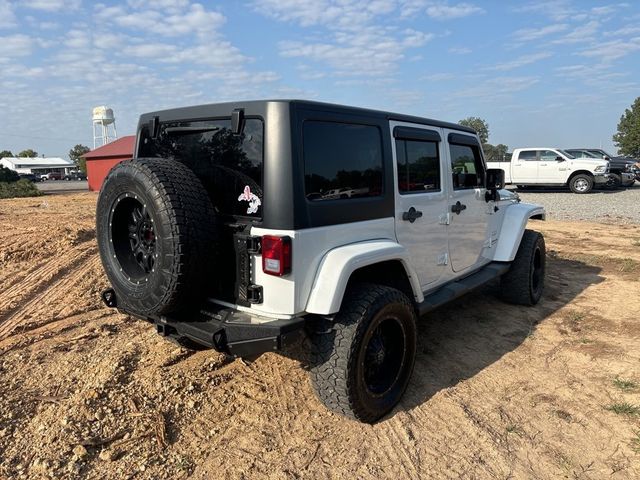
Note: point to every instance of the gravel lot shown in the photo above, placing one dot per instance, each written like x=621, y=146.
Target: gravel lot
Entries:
x=603, y=206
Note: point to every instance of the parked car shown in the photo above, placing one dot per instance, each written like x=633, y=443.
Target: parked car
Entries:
x=553, y=167
x=620, y=168
x=29, y=176
x=52, y=176
x=186, y=244
x=75, y=176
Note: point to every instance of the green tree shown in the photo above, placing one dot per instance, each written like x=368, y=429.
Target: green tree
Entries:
x=495, y=153
x=28, y=153
x=479, y=125
x=6, y=153
x=8, y=175
x=75, y=155
x=628, y=137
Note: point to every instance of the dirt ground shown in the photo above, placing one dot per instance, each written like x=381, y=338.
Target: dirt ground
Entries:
x=498, y=391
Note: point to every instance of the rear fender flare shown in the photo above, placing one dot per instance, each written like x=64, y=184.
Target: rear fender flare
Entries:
x=338, y=265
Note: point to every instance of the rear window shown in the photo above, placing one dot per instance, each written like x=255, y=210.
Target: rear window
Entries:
x=341, y=161
x=229, y=166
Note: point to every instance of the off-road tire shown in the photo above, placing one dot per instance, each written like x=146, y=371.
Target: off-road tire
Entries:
x=575, y=182
x=339, y=347
x=523, y=284
x=183, y=232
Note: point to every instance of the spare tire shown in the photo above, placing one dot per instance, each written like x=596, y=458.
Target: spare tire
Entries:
x=156, y=234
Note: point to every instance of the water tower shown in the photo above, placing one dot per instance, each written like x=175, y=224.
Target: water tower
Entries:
x=104, y=126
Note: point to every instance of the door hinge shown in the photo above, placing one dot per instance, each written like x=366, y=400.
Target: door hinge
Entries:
x=254, y=293
x=254, y=246
x=491, y=241
x=445, y=219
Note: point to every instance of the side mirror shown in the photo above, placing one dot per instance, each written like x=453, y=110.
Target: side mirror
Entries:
x=494, y=180
x=559, y=159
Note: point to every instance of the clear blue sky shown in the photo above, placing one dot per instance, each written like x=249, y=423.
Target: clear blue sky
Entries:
x=554, y=72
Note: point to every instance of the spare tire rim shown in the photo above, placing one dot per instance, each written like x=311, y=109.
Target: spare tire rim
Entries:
x=384, y=356
x=133, y=237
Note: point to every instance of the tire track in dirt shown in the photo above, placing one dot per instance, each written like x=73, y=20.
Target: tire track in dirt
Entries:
x=52, y=293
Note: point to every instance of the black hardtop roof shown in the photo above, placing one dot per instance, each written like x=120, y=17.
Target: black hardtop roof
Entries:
x=197, y=111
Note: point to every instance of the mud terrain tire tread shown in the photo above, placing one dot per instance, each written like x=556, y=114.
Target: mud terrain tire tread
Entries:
x=182, y=207
x=334, y=351
x=516, y=286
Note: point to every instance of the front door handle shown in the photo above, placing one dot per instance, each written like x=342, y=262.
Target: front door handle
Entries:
x=411, y=215
x=458, y=207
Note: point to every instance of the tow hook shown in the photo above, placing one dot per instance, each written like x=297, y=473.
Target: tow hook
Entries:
x=109, y=298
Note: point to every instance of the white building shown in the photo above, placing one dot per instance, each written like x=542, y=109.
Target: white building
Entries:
x=38, y=165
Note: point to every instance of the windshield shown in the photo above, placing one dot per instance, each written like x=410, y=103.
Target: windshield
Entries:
x=600, y=153
x=583, y=154
x=566, y=154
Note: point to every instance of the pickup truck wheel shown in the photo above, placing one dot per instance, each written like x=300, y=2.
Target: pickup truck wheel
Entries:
x=581, y=183
x=155, y=230
x=361, y=364
x=523, y=284
x=615, y=180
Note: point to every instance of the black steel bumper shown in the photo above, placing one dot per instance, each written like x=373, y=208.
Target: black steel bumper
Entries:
x=226, y=330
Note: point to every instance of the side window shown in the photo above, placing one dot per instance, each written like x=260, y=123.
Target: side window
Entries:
x=548, y=156
x=466, y=167
x=418, y=166
x=341, y=160
x=527, y=155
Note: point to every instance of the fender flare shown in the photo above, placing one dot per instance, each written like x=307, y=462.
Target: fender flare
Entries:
x=513, y=226
x=338, y=264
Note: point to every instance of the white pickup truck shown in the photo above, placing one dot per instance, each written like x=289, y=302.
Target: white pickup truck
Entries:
x=553, y=167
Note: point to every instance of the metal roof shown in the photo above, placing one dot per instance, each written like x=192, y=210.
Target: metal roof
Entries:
x=122, y=147
x=28, y=162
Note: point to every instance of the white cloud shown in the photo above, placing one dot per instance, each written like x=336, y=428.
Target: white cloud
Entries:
x=612, y=50
x=527, y=34
x=460, y=50
x=7, y=17
x=444, y=11
x=581, y=34
x=521, y=61
x=18, y=45
x=52, y=5
x=558, y=10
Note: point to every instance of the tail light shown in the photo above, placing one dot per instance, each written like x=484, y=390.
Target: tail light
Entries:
x=276, y=255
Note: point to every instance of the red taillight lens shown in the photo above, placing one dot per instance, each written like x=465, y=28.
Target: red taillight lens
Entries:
x=276, y=255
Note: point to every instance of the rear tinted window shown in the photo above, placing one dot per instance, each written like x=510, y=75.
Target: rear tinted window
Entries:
x=527, y=155
x=341, y=161
x=229, y=166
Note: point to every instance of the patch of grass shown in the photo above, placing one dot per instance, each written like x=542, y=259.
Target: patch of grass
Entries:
x=514, y=429
x=628, y=265
x=585, y=341
x=625, y=385
x=21, y=188
x=624, y=408
x=576, y=316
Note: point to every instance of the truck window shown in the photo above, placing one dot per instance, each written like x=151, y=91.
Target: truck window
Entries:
x=527, y=155
x=548, y=156
x=341, y=160
x=418, y=166
x=466, y=167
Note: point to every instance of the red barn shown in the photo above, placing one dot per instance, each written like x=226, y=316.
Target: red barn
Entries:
x=103, y=159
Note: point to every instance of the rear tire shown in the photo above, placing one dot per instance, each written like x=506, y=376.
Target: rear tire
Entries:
x=156, y=235
x=616, y=180
x=523, y=284
x=362, y=360
x=581, y=183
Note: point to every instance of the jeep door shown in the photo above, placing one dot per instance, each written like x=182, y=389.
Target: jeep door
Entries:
x=469, y=212
x=420, y=198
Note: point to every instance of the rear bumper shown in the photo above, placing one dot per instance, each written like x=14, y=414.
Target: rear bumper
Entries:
x=226, y=330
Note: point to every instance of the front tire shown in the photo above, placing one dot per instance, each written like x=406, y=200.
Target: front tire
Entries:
x=523, y=284
x=362, y=361
x=581, y=183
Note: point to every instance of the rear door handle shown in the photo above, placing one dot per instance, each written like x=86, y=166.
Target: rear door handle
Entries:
x=411, y=215
x=458, y=207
